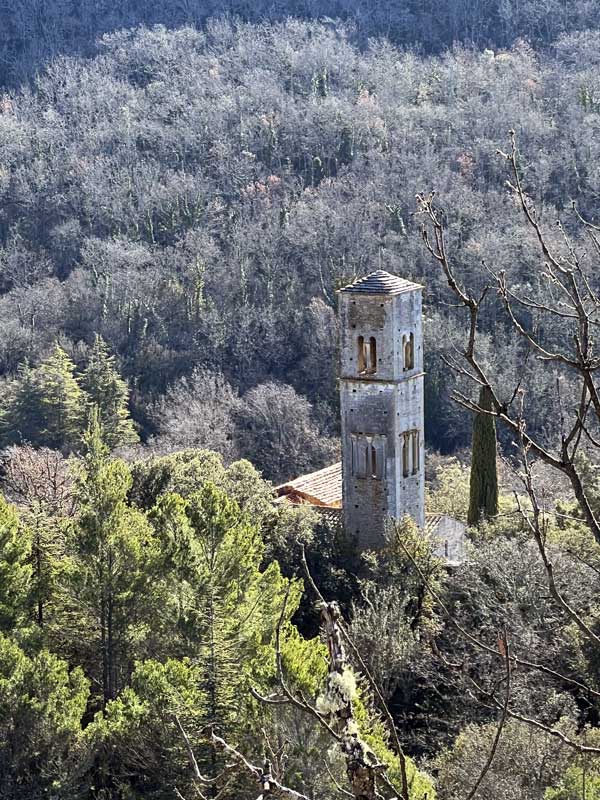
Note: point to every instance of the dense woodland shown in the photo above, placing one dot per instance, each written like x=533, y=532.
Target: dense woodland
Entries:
x=31, y=33
x=183, y=187
x=196, y=197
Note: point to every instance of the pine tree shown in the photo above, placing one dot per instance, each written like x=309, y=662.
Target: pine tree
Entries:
x=47, y=557
x=43, y=700
x=235, y=605
x=483, y=498
x=108, y=392
x=61, y=401
x=223, y=616
x=44, y=404
x=114, y=582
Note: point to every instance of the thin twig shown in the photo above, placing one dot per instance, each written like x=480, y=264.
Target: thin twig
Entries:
x=501, y=724
x=265, y=779
x=486, y=648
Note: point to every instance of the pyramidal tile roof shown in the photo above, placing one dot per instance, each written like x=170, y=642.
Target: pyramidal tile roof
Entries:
x=381, y=282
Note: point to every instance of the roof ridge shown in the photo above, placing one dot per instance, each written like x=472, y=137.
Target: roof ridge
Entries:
x=335, y=467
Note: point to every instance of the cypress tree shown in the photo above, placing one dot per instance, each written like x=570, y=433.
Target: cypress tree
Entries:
x=483, y=498
x=108, y=392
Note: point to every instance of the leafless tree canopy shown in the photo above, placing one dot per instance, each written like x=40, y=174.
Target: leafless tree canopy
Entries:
x=38, y=477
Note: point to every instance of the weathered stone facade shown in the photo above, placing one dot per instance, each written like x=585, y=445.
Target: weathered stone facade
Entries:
x=381, y=397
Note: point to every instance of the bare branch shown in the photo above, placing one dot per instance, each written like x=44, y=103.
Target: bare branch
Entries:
x=582, y=362
x=486, y=648
x=537, y=525
x=192, y=758
x=270, y=787
x=372, y=682
x=501, y=723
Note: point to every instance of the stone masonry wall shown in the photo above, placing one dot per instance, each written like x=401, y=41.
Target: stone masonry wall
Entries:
x=385, y=403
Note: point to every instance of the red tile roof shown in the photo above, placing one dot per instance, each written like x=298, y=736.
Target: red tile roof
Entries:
x=322, y=488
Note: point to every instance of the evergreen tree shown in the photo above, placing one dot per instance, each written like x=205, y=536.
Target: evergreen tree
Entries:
x=42, y=701
x=114, y=585
x=46, y=536
x=61, y=401
x=22, y=412
x=483, y=497
x=15, y=569
x=229, y=606
x=39, y=482
x=107, y=391
x=224, y=620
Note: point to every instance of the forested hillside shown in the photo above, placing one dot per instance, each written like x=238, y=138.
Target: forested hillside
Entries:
x=196, y=197
x=33, y=32
x=184, y=187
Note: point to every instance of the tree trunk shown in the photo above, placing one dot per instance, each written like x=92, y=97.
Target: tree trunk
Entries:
x=361, y=763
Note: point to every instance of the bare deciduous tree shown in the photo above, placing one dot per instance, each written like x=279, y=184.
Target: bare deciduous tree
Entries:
x=38, y=476
x=568, y=299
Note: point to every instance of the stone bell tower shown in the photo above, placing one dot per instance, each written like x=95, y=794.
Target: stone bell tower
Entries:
x=381, y=398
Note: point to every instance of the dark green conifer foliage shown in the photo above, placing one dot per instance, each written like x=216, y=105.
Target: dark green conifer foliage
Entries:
x=236, y=605
x=61, y=401
x=44, y=404
x=45, y=536
x=108, y=392
x=43, y=699
x=22, y=407
x=113, y=581
x=483, y=499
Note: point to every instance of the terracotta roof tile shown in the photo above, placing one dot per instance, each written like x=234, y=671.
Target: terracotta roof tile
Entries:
x=323, y=487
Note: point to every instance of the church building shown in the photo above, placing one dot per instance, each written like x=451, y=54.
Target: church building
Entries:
x=382, y=472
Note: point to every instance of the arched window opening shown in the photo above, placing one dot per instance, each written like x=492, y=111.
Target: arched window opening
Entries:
x=368, y=456
x=372, y=355
x=405, y=455
x=409, y=352
x=411, y=453
x=367, y=355
x=415, y=452
x=362, y=361
x=359, y=456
